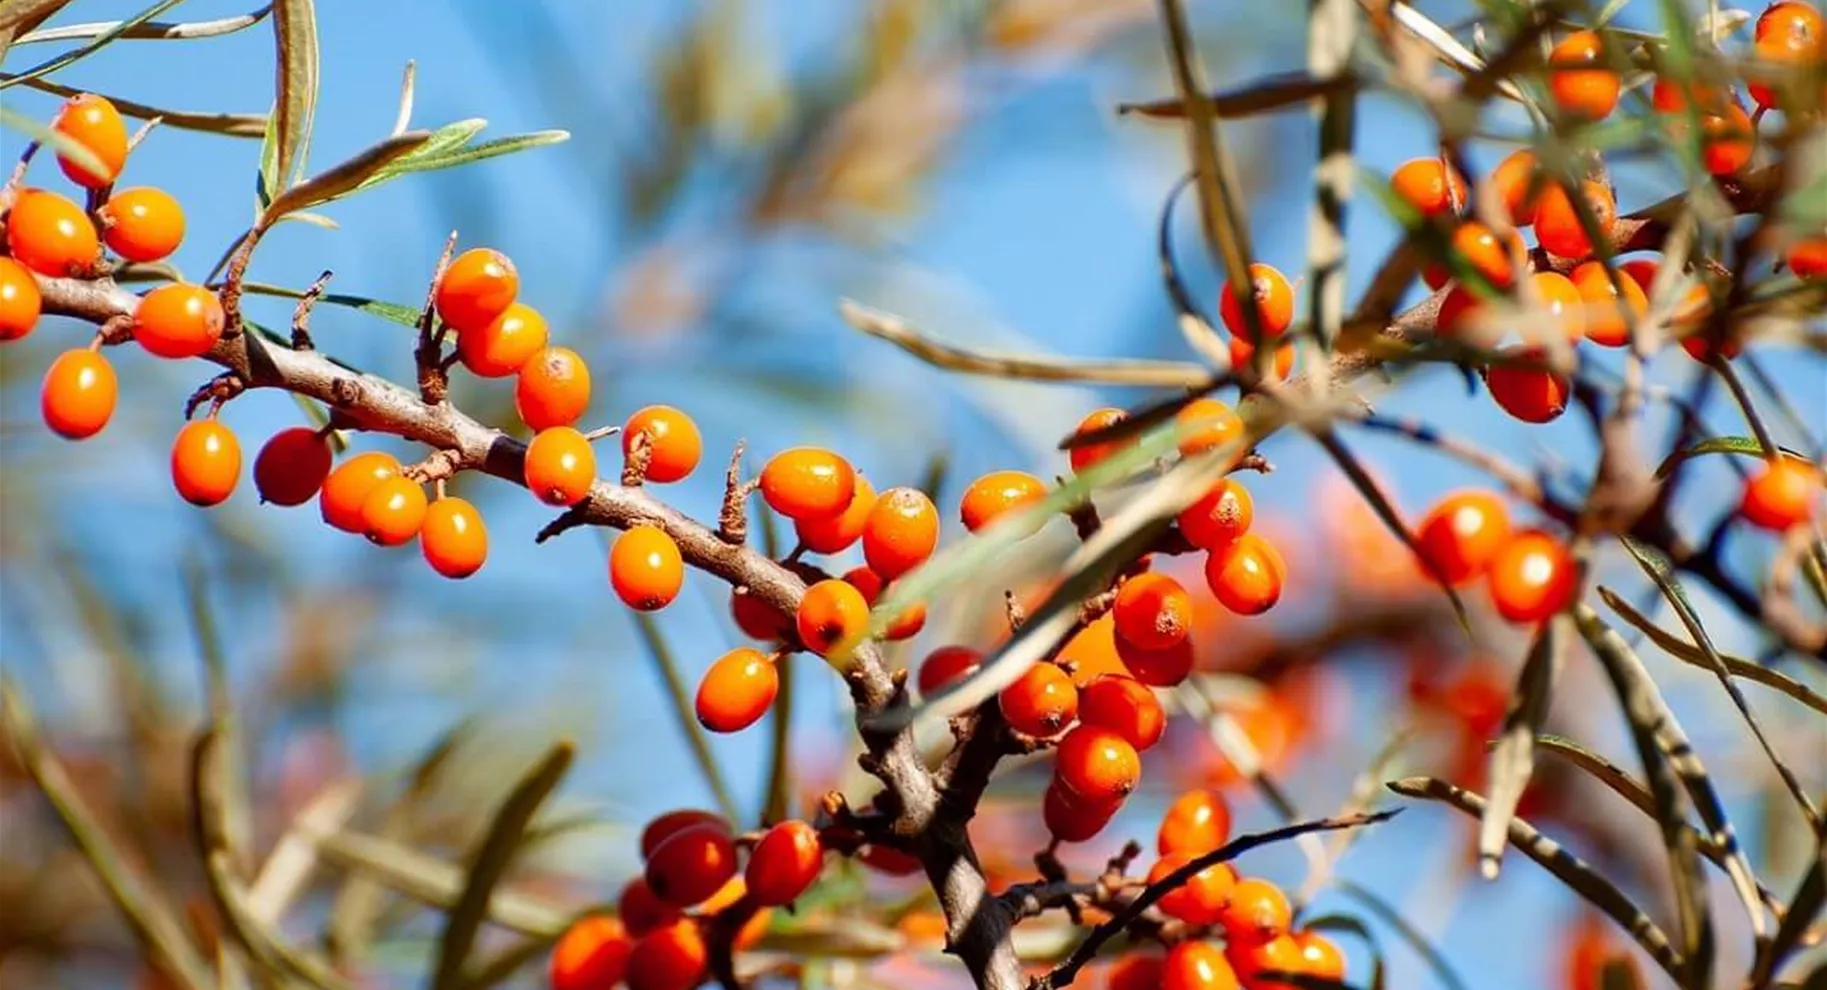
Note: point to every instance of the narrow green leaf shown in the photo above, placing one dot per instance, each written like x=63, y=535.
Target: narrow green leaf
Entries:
x=1512, y=758
x=266, y=180
x=101, y=41
x=344, y=177
x=295, y=90
x=243, y=125
x=433, y=882
x=1745, y=446
x=55, y=140
x=314, y=219
x=467, y=153
x=148, y=31
x=405, y=316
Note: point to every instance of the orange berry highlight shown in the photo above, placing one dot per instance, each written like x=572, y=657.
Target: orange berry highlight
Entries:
x=1097, y=764
x=1208, y=424
x=831, y=613
x=1201, y=899
x=1607, y=306
x=142, y=224
x=691, y=864
x=205, y=462
x=291, y=466
x=1246, y=576
x=348, y=486
x=394, y=512
x=1517, y=182
x=1197, y=966
x=1555, y=295
x=1083, y=457
x=646, y=569
x=737, y=690
x=808, y=483
x=178, y=320
x=900, y=532
x=504, y=345
x=453, y=538
x=1463, y=533
x=93, y=122
x=51, y=235
x=1041, y=702
x=1530, y=394
x=78, y=395
x=674, y=445
x=1430, y=186
x=997, y=494
x=1270, y=295
x=478, y=286
x=1256, y=912
x=560, y=466
x=671, y=957
x=1579, y=80
x=590, y=955
x=1557, y=222
x=1782, y=495
x=21, y=303
x=1532, y=577
x=1195, y=824
x=553, y=389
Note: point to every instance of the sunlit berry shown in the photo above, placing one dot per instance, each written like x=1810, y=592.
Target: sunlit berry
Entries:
x=178, y=320
x=51, y=235
x=1781, y=495
x=1533, y=577
x=1041, y=702
x=1084, y=456
x=1152, y=611
x=808, y=483
x=1557, y=221
x=756, y=618
x=1728, y=139
x=737, y=690
x=1255, y=912
x=900, y=532
x=1463, y=533
x=1319, y=956
x=504, y=345
x=1272, y=298
x=1247, y=575
x=142, y=224
x=1555, y=296
x=20, y=301
x=1430, y=186
x=1610, y=309
x=1097, y=764
x=1518, y=182
x=205, y=462
x=1201, y=899
x=1807, y=258
x=904, y=626
x=1207, y=424
x=1135, y=972
x=672, y=441
x=945, y=665
x=560, y=466
x=93, y=122
x=1255, y=959
x=1219, y=517
x=784, y=863
x=1579, y=80
x=1197, y=966
x=1243, y=355
x=645, y=568
x=1533, y=395
x=1069, y=817
x=1485, y=252
x=1165, y=667
x=592, y=954
x=1092, y=652
x=478, y=286
x=453, y=538
x=691, y=864
x=1789, y=35
x=671, y=957
x=1126, y=707
x=78, y=395
x=997, y=494
x=291, y=466
x=552, y=389
x=1195, y=824
x=346, y=487
x=394, y=512
x=666, y=825
x=832, y=614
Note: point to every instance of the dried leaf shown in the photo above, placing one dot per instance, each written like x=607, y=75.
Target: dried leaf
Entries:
x=434, y=882
x=1281, y=91
x=295, y=99
x=1512, y=761
x=1689, y=654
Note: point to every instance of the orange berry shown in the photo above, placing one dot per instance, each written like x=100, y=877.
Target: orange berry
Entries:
x=1092, y=651
x=1788, y=34
x=672, y=823
x=1486, y=252
x=997, y=494
x=1462, y=533
x=1728, y=140
x=1219, y=517
x=1097, y=764
x=645, y=568
x=453, y=538
x=784, y=863
x=1319, y=956
x=1277, y=954
x=292, y=466
x=1697, y=337
x=560, y=466
x=1530, y=394
x=831, y=613
x=1457, y=309
x=1256, y=912
x=1807, y=258
x=1557, y=223
x=906, y=625
x=835, y=534
x=737, y=690
x=1671, y=97
x=756, y=618
x=900, y=532
x=808, y=483
x=1041, y=702
x=394, y=512
x=1083, y=457
x=642, y=910
x=1514, y=177
x=1135, y=972
x=1556, y=295
x=673, y=443
x=691, y=864
x=346, y=488
x=505, y=344
x=553, y=389
x=1782, y=495
x=92, y=122
x=1605, y=305
x=672, y=957
x=478, y=286
x=945, y=665
x=1429, y=186
x=1126, y=707
x=1201, y=899
x=51, y=235
x=142, y=224
x=1197, y=966
x=1071, y=818
x=1578, y=78
x=1195, y=824
x=1272, y=297
x=78, y=395
x=21, y=304
x=1157, y=668
x=1207, y=424
x=1152, y=612
x=178, y=320
x=592, y=954
x=1533, y=577
x=205, y=462
x=1243, y=353
x=1641, y=271
x=1246, y=576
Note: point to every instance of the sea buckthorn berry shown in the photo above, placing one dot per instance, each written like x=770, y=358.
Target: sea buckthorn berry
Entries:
x=51, y=235
x=1728, y=139
x=1256, y=912
x=1782, y=495
x=1207, y=424
x=1517, y=183
x=478, y=286
x=560, y=466
x=1092, y=652
x=1126, y=707
x=346, y=488
x=453, y=538
x=835, y=534
x=1219, y=517
x=945, y=665
x=831, y=613
x=671, y=957
x=1041, y=702
x=178, y=320
x=1272, y=297
x=205, y=462
x=1788, y=34
x=1157, y=668
x=1246, y=576
x=1578, y=78
x=291, y=466
x=691, y=864
x=1083, y=457
x=1430, y=186
x=906, y=625
x=645, y=568
x=1557, y=222
x=504, y=345
x=1252, y=960
x=1606, y=305
x=900, y=532
x=756, y=618
x=92, y=122
x=1671, y=96
x=1458, y=311
x=1698, y=338
x=1201, y=899
x=394, y=512
x=1533, y=395
x=808, y=483
x=1195, y=824
x=1533, y=577
x=673, y=822
x=1555, y=295
x=1319, y=956
x=1071, y=818
x=673, y=442
x=1097, y=764
x=642, y=910
x=1487, y=253
x=21, y=304
x=553, y=389
x=592, y=954
x=1135, y=972
x=997, y=494
x=1807, y=258
x=1197, y=966
x=1641, y=271
x=1243, y=353
x=1152, y=611
x=142, y=224
x=78, y=395
x=1462, y=534
x=784, y=863
x=737, y=690
x=889, y=860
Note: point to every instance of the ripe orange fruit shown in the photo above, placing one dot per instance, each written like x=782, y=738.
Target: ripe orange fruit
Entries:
x=1152, y=612
x=1557, y=223
x=1457, y=311
x=1462, y=534
x=1529, y=394
x=560, y=466
x=900, y=532
x=292, y=466
x=671, y=957
x=641, y=910
x=831, y=613
x=1126, y=707
x=1728, y=139
x=205, y=462
x=1605, y=305
x=1319, y=956
x=673, y=443
x=92, y=122
x=142, y=224
x=1788, y=34
x=1041, y=702
x=1278, y=954
x=1092, y=651
x=784, y=863
x=394, y=512
x=673, y=822
x=1578, y=78
x=1256, y=912
x=1807, y=258
x=999, y=493
x=945, y=665
x=1429, y=186
x=51, y=235
x=478, y=286
x=1083, y=457
x=453, y=538
x=178, y=320
x=1486, y=253
x=737, y=690
x=1071, y=818
x=1270, y=295
x=1671, y=96
x=78, y=394
x=1207, y=424
x=504, y=345
x=1197, y=966
x=1555, y=295
x=1246, y=576
x=1641, y=271
x=835, y=534
x=1097, y=764
x=21, y=304
x=1243, y=354
x=1219, y=517
x=1157, y=668
x=1782, y=495
x=553, y=389
x=348, y=486
x=1533, y=577
x=591, y=954
x=645, y=568
x=691, y=864
x=1201, y=899
x=906, y=625
x=1195, y=824
x=808, y=483
x=756, y=618
x=1514, y=177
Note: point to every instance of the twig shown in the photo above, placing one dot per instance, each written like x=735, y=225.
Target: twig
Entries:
x=301, y=314
x=434, y=377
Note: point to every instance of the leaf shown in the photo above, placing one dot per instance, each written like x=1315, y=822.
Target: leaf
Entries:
x=266, y=180
x=295, y=91
x=1279, y=91
x=1746, y=446
x=433, y=882
x=464, y=154
x=288, y=867
x=405, y=316
x=1512, y=760
x=683, y=712
x=342, y=178
x=51, y=65
x=55, y=140
x=150, y=31
x=314, y=219
x=1690, y=654
x=402, y=118
x=1332, y=28
x=245, y=125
